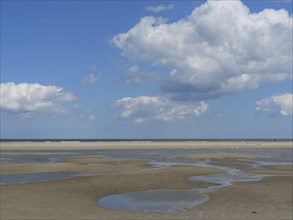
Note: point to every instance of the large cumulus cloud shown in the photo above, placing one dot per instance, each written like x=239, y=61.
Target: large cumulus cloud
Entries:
x=220, y=48
x=33, y=98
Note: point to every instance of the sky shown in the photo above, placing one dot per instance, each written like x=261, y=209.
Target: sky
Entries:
x=146, y=69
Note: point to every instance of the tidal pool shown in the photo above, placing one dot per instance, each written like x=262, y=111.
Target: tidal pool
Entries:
x=166, y=200
x=160, y=200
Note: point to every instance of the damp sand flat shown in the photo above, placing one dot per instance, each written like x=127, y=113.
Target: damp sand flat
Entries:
x=76, y=198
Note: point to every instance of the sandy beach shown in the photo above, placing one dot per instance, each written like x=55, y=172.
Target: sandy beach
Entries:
x=78, y=197
x=76, y=145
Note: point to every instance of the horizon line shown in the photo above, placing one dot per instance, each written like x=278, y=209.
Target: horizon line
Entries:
x=138, y=139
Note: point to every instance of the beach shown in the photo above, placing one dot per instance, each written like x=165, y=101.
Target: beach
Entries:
x=77, y=145
x=70, y=180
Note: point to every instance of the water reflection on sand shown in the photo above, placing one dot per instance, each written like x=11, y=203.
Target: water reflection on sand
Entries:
x=168, y=200
x=155, y=200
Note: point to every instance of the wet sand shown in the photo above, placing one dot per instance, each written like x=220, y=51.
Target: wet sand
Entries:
x=89, y=165
x=77, y=197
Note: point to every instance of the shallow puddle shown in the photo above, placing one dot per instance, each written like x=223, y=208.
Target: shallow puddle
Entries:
x=154, y=200
x=165, y=200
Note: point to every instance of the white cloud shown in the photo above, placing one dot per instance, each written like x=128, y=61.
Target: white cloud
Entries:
x=154, y=108
x=220, y=48
x=91, y=117
x=87, y=116
x=91, y=79
x=276, y=105
x=134, y=75
x=159, y=8
x=30, y=98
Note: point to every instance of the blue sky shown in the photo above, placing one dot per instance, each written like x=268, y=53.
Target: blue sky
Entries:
x=146, y=69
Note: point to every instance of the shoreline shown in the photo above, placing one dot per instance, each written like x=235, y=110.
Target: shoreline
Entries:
x=109, y=145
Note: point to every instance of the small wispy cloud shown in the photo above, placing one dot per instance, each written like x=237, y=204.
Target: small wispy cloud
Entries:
x=91, y=117
x=91, y=79
x=222, y=115
x=159, y=8
x=276, y=105
x=134, y=75
x=88, y=115
x=154, y=108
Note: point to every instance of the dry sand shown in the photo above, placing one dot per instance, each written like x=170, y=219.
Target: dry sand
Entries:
x=68, y=145
x=76, y=198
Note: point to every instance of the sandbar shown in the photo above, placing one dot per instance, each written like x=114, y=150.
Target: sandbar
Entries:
x=142, y=145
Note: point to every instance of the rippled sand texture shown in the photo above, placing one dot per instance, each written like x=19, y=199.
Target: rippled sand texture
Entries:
x=183, y=167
